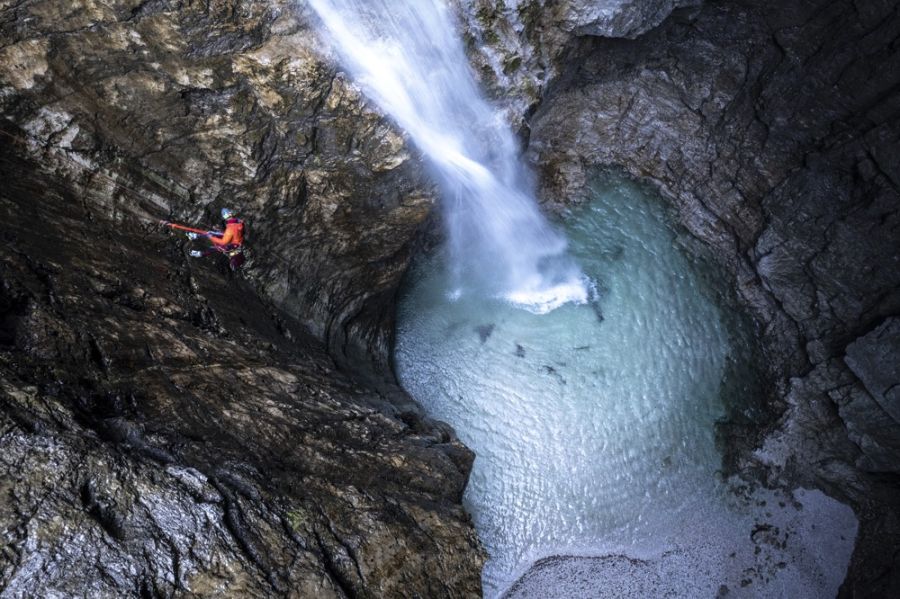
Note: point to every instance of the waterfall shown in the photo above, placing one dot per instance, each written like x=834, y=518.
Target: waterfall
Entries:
x=407, y=57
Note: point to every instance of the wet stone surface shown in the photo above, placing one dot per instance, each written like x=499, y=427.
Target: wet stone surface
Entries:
x=770, y=128
x=164, y=431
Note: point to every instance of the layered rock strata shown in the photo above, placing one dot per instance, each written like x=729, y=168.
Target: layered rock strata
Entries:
x=227, y=103
x=169, y=430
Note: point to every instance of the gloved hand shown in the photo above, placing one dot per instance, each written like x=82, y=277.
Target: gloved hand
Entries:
x=192, y=235
x=196, y=253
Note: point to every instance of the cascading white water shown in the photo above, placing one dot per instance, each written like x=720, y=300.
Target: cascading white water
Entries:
x=408, y=58
x=594, y=432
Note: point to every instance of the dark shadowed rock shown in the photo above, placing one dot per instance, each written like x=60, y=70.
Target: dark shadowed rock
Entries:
x=769, y=128
x=875, y=359
x=170, y=429
x=166, y=431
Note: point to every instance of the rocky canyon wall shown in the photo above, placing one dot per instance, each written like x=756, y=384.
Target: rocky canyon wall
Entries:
x=771, y=128
x=200, y=105
x=166, y=429
x=170, y=429
x=166, y=432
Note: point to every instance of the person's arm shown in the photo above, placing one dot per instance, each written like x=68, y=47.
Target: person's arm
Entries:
x=226, y=237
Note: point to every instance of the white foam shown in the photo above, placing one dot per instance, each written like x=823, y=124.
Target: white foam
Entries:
x=545, y=300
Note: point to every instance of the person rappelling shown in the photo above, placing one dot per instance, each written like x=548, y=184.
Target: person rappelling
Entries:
x=229, y=242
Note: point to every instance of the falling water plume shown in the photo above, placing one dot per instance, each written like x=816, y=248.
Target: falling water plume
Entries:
x=407, y=57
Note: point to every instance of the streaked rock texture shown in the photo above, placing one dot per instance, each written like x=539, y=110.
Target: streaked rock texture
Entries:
x=226, y=103
x=166, y=429
x=615, y=18
x=520, y=47
x=771, y=128
x=873, y=418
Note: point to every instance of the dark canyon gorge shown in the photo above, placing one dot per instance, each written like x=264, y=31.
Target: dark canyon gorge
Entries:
x=169, y=428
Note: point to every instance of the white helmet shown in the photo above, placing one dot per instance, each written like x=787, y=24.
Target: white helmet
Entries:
x=227, y=213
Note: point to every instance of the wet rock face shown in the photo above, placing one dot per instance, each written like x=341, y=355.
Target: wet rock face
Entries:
x=874, y=421
x=165, y=432
x=166, y=428
x=233, y=103
x=771, y=128
x=617, y=18
x=518, y=48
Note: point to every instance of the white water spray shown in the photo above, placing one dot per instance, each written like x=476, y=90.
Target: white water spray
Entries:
x=407, y=57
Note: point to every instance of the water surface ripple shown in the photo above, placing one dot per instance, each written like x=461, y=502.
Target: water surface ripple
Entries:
x=593, y=425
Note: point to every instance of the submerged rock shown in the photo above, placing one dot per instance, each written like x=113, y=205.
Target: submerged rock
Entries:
x=484, y=331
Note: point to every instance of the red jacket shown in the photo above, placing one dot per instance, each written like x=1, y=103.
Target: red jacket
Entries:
x=233, y=235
